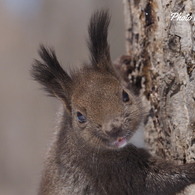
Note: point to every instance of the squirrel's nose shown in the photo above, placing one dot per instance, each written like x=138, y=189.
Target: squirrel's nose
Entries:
x=113, y=127
x=113, y=131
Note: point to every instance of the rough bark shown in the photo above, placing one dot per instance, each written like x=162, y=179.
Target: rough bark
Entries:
x=161, y=63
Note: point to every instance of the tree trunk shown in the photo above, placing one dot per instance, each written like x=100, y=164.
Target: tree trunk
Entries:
x=161, y=63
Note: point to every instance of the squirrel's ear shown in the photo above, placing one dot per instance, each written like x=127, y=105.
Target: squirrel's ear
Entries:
x=98, y=44
x=50, y=74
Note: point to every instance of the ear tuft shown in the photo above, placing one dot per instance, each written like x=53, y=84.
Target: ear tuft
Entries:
x=98, y=32
x=50, y=74
x=98, y=44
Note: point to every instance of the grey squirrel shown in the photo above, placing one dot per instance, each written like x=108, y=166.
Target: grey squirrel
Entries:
x=92, y=153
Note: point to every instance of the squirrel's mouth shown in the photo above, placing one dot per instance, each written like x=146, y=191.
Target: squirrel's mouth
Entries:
x=120, y=142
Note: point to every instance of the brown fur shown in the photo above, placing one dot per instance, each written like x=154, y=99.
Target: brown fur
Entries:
x=92, y=152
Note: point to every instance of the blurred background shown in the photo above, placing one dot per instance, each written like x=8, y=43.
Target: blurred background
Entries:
x=27, y=116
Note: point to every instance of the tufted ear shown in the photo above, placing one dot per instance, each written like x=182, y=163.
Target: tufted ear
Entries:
x=50, y=74
x=98, y=45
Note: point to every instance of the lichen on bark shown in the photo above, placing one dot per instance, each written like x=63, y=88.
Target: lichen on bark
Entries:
x=162, y=61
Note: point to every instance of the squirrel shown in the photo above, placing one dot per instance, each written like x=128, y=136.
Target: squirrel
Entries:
x=92, y=152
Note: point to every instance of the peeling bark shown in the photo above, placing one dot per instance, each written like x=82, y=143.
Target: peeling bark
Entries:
x=162, y=61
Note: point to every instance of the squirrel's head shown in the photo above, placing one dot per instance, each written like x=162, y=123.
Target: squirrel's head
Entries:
x=103, y=112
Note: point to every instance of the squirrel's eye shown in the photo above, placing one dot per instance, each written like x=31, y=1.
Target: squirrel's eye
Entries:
x=125, y=96
x=81, y=118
